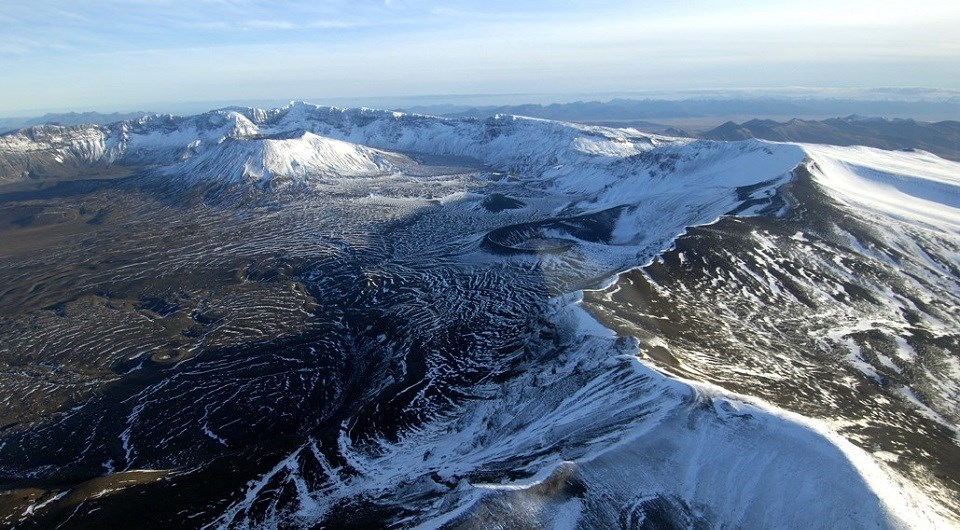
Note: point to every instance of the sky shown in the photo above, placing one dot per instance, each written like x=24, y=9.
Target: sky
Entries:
x=112, y=55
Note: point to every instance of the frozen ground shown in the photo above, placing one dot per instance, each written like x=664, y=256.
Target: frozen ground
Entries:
x=344, y=317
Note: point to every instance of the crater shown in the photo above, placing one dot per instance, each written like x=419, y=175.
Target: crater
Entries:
x=554, y=235
x=498, y=202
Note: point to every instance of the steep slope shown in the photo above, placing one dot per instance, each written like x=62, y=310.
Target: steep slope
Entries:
x=49, y=152
x=864, y=273
x=52, y=152
x=917, y=188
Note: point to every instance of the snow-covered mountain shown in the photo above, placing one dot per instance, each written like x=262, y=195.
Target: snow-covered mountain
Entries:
x=298, y=158
x=505, y=142
x=68, y=119
x=411, y=325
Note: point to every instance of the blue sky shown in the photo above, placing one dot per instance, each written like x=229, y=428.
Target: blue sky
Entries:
x=143, y=54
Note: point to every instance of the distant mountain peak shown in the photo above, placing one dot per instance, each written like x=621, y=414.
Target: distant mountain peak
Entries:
x=942, y=138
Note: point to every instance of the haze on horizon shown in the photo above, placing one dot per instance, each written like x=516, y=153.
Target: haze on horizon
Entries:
x=122, y=55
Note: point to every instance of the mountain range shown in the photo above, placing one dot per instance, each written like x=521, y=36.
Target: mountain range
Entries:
x=69, y=118
x=312, y=317
x=623, y=110
x=941, y=138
